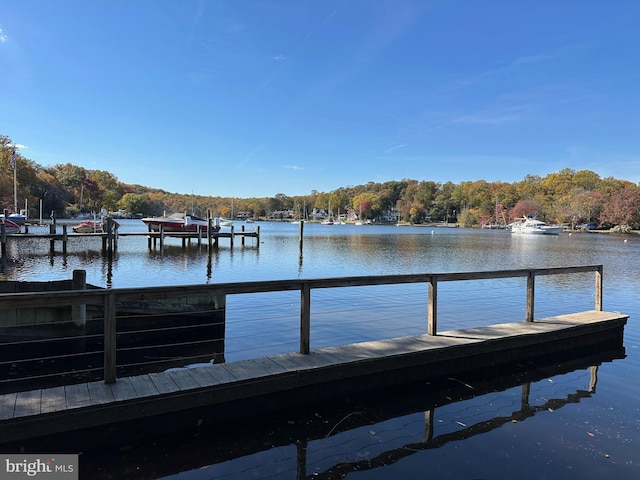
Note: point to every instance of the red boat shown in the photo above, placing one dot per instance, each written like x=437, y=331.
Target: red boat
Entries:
x=9, y=226
x=178, y=222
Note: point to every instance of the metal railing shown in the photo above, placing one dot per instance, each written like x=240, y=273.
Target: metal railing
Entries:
x=109, y=299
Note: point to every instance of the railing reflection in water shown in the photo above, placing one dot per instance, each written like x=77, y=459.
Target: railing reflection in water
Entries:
x=355, y=434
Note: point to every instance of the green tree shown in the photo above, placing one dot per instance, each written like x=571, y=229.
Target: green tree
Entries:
x=138, y=204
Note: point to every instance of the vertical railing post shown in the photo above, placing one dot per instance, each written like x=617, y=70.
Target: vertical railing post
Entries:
x=599, y=288
x=432, y=307
x=79, y=312
x=109, y=337
x=531, y=289
x=305, y=317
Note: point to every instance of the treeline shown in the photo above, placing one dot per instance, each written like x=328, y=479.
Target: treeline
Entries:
x=567, y=196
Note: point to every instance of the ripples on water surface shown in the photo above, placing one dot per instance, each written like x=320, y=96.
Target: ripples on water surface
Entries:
x=592, y=435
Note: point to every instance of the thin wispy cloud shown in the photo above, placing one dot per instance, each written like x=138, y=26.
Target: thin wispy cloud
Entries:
x=393, y=148
x=283, y=59
x=250, y=156
x=3, y=37
x=517, y=62
x=491, y=116
x=198, y=16
x=292, y=167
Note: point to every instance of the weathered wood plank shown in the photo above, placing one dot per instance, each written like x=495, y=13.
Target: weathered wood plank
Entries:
x=256, y=369
x=100, y=393
x=144, y=386
x=53, y=400
x=183, y=379
x=236, y=370
x=268, y=366
x=285, y=362
x=28, y=403
x=7, y=405
x=123, y=389
x=202, y=376
x=77, y=395
x=310, y=360
x=164, y=383
x=220, y=374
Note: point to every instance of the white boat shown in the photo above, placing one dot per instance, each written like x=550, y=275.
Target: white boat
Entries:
x=225, y=222
x=19, y=218
x=532, y=226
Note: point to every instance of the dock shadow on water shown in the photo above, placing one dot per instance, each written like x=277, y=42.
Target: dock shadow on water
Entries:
x=372, y=433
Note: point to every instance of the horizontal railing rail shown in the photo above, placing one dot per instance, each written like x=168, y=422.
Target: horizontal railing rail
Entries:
x=108, y=299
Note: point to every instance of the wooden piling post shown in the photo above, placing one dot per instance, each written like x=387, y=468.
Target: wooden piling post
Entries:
x=64, y=239
x=231, y=238
x=300, y=238
x=531, y=289
x=110, y=235
x=305, y=318
x=3, y=239
x=599, y=289
x=209, y=231
x=79, y=312
x=242, y=237
x=52, y=231
x=161, y=237
x=109, y=337
x=432, y=307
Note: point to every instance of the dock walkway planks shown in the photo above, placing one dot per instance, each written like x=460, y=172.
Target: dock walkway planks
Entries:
x=61, y=409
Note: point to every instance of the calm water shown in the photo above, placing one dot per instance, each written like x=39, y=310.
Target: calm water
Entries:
x=578, y=429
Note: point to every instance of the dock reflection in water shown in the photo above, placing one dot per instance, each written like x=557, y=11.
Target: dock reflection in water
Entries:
x=376, y=431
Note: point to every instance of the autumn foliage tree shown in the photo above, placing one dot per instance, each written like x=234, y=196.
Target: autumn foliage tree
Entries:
x=623, y=208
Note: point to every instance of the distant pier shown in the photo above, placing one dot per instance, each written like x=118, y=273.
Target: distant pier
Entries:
x=110, y=236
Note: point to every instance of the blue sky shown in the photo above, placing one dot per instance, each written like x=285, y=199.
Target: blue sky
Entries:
x=246, y=98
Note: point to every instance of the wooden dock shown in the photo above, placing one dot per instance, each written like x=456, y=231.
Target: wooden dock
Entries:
x=247, y=387
x=291, y=379
x=109, y=239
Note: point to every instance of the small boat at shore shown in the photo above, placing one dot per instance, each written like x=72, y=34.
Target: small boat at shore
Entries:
x=10, y=227
x=18, y=218
x=92, y=226
x=532, y=226
x=178, y=222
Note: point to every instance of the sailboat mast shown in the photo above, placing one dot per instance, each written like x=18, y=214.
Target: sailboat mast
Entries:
x=15, y=181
